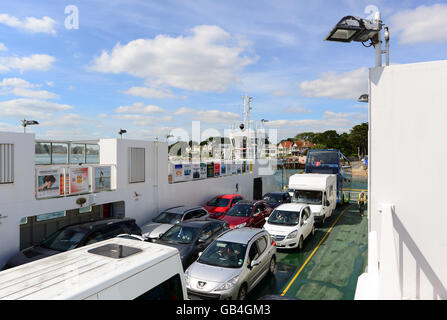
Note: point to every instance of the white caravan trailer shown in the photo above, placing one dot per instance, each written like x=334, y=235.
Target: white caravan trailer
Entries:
x=317, y=190
x=114, y=269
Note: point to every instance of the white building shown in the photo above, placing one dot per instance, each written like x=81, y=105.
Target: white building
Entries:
x=407, y=248
x=139, y=188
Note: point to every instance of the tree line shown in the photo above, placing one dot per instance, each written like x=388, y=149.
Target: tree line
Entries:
x=350, y=144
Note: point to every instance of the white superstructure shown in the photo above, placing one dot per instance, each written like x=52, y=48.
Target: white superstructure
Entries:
x=138, y=188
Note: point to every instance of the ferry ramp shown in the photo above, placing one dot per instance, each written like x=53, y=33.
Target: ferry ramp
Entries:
x=328, y=266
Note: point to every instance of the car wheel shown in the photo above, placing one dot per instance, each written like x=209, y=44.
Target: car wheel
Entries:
x=242, y=295
x=272, y=266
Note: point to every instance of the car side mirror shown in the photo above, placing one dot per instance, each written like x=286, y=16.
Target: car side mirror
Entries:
x=327, y=203
x=160, y=235
x=199, y=254
x=254, y=263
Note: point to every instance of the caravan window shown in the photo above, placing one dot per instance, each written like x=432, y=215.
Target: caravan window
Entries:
x=171, y=289
x=310, y=197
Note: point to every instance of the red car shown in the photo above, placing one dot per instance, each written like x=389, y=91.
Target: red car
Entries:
x=218, y=206
x=247, y=213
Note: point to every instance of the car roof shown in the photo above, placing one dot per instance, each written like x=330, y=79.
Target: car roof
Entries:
x=247, y=202
x=292, y=206
x=240, y=235
x=98, y=224
x=229, y=196
x=182, y=209
x=277, y=192
x=199, y=223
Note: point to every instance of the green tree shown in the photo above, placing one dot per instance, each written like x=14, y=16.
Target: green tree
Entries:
x=359, y=138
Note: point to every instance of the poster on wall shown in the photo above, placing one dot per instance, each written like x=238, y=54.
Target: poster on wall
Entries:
x=244, y=166
x=48, y=183
x=233, y=168
x=187, y=172
x=223, y=169
x=203, y=170
x=216, y=169
x=79, y=180
x=251, y=166
x=229, y=172
x=196, y=171
x=102, y=179
x=178, y=173
x=210, y=170
x=238, y=168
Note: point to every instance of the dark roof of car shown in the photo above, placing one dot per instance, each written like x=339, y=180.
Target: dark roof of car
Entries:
x=97, y=224
x=199, y=223
x=276, y=193
x=182, y=209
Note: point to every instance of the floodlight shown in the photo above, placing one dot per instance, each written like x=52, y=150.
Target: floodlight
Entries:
x=363, y=98
x=26, y=123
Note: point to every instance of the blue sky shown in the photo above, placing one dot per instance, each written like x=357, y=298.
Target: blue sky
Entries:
x=152, y=67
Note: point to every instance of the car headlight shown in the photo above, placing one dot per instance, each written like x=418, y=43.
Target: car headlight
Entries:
x=187, y=279
x=229, y=284
x=292, y=234
x=241, y=225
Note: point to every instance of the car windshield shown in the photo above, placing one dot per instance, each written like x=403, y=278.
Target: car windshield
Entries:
x=224, y=254
x=179, y=234
x=219, y=202
x=282, y=217
x=240, y=210
x=64, y=240
x=306, y=196
x=168, y=217
x=272, y=197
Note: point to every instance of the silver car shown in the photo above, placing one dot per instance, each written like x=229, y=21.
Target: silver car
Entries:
x=169, y=217
x=232, y=265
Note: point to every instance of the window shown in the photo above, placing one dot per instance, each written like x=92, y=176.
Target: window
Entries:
x=77, y=154
x=85, y=209
x=24, y=220
x=59, y=153
x=42, y=152
x=6, y=163
x=262, y=244
x=137, y=160
x=49, y=216
x=92, y=153
x=253, y=254
x=112, y=231
x=170, y=289
x=217, y=227
x=206, y=233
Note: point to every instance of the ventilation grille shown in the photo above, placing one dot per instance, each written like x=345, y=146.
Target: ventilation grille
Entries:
x=6, y=163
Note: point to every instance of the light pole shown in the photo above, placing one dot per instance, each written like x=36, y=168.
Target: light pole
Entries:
x=351, y=28
x=121, y=132
x=26, y=123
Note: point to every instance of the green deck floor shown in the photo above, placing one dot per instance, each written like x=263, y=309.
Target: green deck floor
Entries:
x=332, y=271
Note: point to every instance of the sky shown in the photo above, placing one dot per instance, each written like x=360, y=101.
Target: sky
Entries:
x=86, y=69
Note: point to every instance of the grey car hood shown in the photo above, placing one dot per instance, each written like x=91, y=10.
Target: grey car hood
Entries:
x=153, y=230
x=29, y=255
x=212, y=276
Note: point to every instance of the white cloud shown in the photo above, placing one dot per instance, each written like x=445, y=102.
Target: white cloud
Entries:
x=3, y=47
x=35, y=108
x=40, y=62
x=341, y=122
x=281, y=93
x=297, y=110
x=143, y=121
x=37, y=94
x=208, y=60
x=70, y=120
x=425, y=24
x=208, y=116
x=16, y=82
x=140, y=108
x=30, y=24
x=150, y=93
x=348, y=85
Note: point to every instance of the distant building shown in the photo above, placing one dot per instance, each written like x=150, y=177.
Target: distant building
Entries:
x=285, y=148
x=299, y=146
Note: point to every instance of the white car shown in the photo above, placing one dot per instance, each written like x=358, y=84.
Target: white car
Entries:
x=290, y=224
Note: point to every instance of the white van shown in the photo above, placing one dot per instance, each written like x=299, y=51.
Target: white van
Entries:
x=317, y=190
x=115, y=269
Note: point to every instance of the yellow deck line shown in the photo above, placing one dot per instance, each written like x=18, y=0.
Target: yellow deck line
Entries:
x=313, y=252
